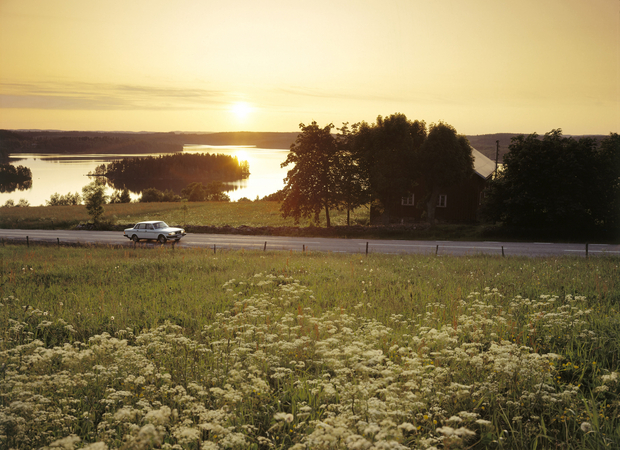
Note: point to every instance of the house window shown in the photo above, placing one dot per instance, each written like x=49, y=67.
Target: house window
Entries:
x=442, y=201
x=407, y=201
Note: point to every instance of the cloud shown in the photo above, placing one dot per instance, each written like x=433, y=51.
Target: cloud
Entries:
x=102, y=96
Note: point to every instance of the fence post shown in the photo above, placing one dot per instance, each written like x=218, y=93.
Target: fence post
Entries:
x=265, y=247
x=586, y=249
x=502, y=250
x=367, y=248
x=58, y=240
x=437, y=250
x=214, y=249
x=27, y=242
x=303, y=247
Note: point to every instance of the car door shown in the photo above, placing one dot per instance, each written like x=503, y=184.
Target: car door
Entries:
x=142, y=231
x=151, y=232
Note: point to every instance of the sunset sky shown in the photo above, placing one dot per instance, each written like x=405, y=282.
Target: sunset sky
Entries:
x=483, y=66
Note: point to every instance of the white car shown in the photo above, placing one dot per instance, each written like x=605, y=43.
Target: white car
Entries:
x=154, y=229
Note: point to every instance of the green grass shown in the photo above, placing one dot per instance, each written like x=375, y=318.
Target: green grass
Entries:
x=149, y=348
x=183, y=213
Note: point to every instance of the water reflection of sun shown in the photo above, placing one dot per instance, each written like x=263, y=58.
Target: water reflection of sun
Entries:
x=242, y=155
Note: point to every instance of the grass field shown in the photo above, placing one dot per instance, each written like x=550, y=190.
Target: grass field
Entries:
x=161, y=348
x=183, y=213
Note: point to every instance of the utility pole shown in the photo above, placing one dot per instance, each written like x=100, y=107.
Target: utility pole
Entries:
x=496, y=156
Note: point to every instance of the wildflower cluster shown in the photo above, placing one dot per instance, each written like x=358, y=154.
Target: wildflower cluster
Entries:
x=275, y=372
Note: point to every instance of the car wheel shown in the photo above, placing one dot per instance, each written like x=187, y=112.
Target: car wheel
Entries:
x=161, y=239
x=135, y=238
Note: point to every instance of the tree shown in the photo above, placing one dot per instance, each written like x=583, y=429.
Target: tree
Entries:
x=351, y=181
x=212, y=192
x=194, y=192
x=121, y=196
x=64, y=200
x=386, y=152
x=215, y=192
x=607, y=184
x=151, y=195
x=311, y=184
x=557, y=183
x=444, y=160
x=94, y=199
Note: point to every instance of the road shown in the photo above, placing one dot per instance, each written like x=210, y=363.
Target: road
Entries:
x=227, y=241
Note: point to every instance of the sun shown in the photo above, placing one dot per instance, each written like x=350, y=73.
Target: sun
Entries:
x=241, y=110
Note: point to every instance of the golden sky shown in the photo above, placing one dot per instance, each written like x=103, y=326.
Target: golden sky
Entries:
x=483, y=66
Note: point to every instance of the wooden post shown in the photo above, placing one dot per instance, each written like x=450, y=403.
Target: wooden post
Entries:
x=437, y=250
x=586, y=249
x=58, y=240
x=502, y=250
x=27, y=242
x=265, y=247
x=367, y=248
x=214, y=249
x=303, y=247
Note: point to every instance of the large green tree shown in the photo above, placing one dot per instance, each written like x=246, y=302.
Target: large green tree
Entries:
x=311, y=184
x=558, y=183
x=607, y=182
x=444, y=160
x=351, y=180
x=386, y=152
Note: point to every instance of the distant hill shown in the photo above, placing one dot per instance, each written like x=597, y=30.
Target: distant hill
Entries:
x=146, y=142
x=486, y=143
x=29, y=141
x=259, y=139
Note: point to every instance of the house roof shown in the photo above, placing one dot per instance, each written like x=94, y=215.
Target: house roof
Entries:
x=483, y=166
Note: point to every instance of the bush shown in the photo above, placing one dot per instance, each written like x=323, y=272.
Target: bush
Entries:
x=155, y=195
x=64, y=200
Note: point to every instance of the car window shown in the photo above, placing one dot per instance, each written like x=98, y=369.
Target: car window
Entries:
x=140, y=226
x=161, y=225
x=149, y=227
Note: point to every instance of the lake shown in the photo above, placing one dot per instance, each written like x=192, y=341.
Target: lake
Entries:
x=65, y=174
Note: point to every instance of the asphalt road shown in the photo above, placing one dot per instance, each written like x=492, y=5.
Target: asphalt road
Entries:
x=361, y=246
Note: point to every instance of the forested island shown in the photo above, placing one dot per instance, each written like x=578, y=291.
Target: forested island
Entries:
x=173, y=172
x=14, y=178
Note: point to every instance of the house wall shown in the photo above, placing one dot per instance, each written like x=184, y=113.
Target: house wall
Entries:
x=461, y=206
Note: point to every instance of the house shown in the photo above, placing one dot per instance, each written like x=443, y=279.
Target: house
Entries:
x=457, y=204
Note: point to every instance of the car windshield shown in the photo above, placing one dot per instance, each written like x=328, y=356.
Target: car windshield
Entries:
x=159, y=225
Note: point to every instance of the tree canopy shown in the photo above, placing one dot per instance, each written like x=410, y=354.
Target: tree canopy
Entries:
x=94, y=199
x=386, y=153
x=312, y=183
x=559, y=183
x=444, y=160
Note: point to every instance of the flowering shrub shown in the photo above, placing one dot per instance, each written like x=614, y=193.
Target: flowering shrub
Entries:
x=275, y=372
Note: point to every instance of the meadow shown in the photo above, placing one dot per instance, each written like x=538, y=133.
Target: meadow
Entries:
x=116, y=348
x=263, y=213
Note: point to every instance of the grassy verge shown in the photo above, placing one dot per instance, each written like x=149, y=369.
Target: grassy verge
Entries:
x=193, y=213
x=210, y=217
x=144, y=348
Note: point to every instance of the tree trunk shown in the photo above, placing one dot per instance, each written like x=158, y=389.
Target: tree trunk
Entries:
x=327, y=216
x=431, y=205
x=385, y=217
